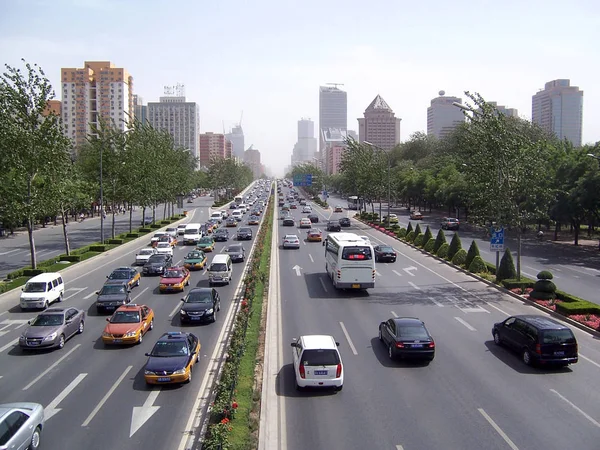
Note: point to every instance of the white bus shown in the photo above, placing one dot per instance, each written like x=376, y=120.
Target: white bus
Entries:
x=238, y=199
x=355, y=203
x=349, y=261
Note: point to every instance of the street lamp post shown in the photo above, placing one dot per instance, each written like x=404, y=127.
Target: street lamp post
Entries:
x=389, y=160
x=101, y=199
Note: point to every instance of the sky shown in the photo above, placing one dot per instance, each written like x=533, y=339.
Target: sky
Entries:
x=268, y=58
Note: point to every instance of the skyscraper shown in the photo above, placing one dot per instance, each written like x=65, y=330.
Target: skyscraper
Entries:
x=559, y=109
x=333, y=109
x=335, y=145
x=213, y=146
x=98, y=90
x=179, y=118
x=236, y=137
x=306, y=146
x=443, y=116
x=140, y=110
x=252, y=160
x=380, y=126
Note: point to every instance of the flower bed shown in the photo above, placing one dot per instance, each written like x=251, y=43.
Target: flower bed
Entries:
x=589, y=320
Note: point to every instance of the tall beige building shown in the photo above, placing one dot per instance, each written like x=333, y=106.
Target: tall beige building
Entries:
x=213, y=146
x=380, y=126
x=442, y=116
x=252, y=160
x=98, y=90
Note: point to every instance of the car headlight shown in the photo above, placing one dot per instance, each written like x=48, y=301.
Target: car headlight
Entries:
x=182, y=312
x=179, y=372
x=51, y=337
x=105, y=334
x=209, y=311
x=22, y=337
x=130, y=334
x=149, y=372
x=160, y=268
x=162, y=285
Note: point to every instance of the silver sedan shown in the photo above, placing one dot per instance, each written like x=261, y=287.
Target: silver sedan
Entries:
x=21, y=425
x=291, y=241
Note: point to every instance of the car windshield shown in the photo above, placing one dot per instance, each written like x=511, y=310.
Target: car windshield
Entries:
x=35, y=287
x=173, y=274
x=170, y=348
x=199, y=297
x=47, y=320
x=194, y=255
x=146, y=251
x=191, y=231
x=356, y=253
x=234, y=249
x=156, y=259
x=218, y=267
x=164, y=245
x=113, y=289
x=206, y=240
x=417, y=332
x=244, y=230
x=119, y=275
x=158, y=235
x=383, y=248
x=320, y=357
x=221, y=231
x=125, y=317
x=558, y=337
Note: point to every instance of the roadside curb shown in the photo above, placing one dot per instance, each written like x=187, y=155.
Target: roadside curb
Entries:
x=497, y=287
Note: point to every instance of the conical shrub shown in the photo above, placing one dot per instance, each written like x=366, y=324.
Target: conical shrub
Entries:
x=455, y=245
x=418, y=230
x=459, y=257
x=472, y=253
x=477, y=265
x=507, y=269
x=439, y=240
x=428, y=235
x=409, y=228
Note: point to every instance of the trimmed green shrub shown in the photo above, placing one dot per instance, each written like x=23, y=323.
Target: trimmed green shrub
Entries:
x=429, y=245
x=472, y=253
x=419, y=240
x=155, y=226
x=442, y=252
x=581, y=307
x=507, y=267
x=439, y=241
x=513, y=283
x=409, y=228
x=115, y=241
x=543, y=289
x=566, y=297
x=165, y=222
x=428, y=235
x=145, y=230
x=16, y=274
x=401, y=233
x=33, y=272
x=545, y=275
x=98, y=248
x=132, y=235
x=477, y=265
x=80, y=250
x=490, y=267
x=459, y=257
x=70, y=258
x=410, y=236
x=418, y=229
x=455, y=245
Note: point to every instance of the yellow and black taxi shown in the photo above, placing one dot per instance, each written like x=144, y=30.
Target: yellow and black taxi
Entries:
x=231, y=222
x=127, y=275
x=206, y=244
x=168, y=238
x=172, y=358
x=338, y=208
x=253, y=220
x=314, y=235
x=195, y=260
x=128, y=325
x=174, y=279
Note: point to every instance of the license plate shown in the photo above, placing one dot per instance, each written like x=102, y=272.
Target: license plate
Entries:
x=109, y=307
x=356, y=286
x=33, y=344
x=559, y=353
x=195, y=317
x=417, y=345
x=169, y=288
x=117, y=341
x=320, y=372
x=164, y=379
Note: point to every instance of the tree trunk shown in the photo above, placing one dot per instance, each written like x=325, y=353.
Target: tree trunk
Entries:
x=143, y=216
x=556, y=228
x=65, y=233
x=154, y=213
x=518, y=253
x=112, y=225
x=30, y=226
x=165, y=211
x=576, y=229
x=131, y=219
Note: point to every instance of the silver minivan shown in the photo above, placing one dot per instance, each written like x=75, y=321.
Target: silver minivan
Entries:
x=220, y=270
x=317, y=362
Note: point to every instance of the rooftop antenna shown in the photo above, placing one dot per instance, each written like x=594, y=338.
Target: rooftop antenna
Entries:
x=335, y=85
x=241, y=117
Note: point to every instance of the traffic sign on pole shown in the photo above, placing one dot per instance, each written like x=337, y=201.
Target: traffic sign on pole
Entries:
x=304, y=179
x=497, y=239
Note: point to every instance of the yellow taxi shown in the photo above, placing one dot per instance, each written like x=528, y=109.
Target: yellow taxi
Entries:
x=314, y=235
x=206, y=244
x=125, y=274
x=128, y=325
x=195, y=260
x=174, y=279
x=172, y=358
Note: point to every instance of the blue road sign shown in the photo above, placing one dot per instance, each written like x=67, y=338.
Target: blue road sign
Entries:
x=304, y=179
x=497, y=239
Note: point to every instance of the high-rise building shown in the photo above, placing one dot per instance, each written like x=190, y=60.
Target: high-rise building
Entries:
x=306, y=146
x=97, y=91
x=213, y=146
x=181, y=119
x=558, y=109
x=54, y=107
x=333, y=109
x=252, y=160
x=335, y=145
x=380, y=126
x=236, y=137
x=139, y=109
x=511, y=112
x=443, y=117
x=353, y=134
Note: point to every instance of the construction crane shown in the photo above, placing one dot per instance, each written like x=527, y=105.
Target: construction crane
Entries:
x=241, y=117
x=335, y=85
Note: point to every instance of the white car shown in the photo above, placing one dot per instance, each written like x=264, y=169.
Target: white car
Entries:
x=366, y=239
x=317, y=362
x=144, y=255
x=305, y=223
x=164, y=248
x=291, y=241
x=307, y=209
x=157, y=236
x=171, y=231
x=217, y=215
x=181, y=229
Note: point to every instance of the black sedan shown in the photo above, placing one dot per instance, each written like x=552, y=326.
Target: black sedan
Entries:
x=384, y=253
x=407, y=337
x=313, y=218
x=236, y=252
x=200, y=304
x=333, y=226
x=111, y=296
x=172, y=358
x=244, y=234
x=221, y=235
x=157, y=264
x=344, y=222
x=288, y=222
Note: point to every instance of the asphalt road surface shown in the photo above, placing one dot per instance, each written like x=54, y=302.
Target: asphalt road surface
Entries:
x=49, y=241
x=575, y=270
x=95, y=397
x=473, y=396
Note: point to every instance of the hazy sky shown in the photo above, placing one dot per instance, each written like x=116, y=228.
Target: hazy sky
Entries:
x=268, y=57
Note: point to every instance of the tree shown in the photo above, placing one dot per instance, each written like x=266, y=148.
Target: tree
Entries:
x=32, y=144
x=507, y=269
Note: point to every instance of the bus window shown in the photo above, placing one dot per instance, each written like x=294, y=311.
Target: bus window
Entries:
x=356, y=253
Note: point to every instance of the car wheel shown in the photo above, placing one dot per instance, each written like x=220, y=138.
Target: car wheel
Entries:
x=46, y=304
x=140, y=339
x=497, y=339
x=526, y=357
x=298, y=387
x=80, y=329
x=339, y=388
x=137, y=283
x=61, y=297
x=214, y=317
x=151, y=327
x=390, y=352
x=189, y=380
x=35, y=439
x=61, y=341
x=380, y=336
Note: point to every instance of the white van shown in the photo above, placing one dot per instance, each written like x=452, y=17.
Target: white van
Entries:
x=220, y=270
x=243, y=207
x=192, y=234
x=317, y=362
x=42, y=290
x=237, y=215
x=217, y=215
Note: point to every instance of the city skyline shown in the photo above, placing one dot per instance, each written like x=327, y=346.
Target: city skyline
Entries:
x=278, y=68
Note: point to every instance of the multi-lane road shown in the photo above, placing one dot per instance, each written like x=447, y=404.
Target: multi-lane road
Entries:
x=474, y=395
x=94, y=396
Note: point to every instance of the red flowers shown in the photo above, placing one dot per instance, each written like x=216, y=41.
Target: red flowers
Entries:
x=234, y=405
x=225, y=421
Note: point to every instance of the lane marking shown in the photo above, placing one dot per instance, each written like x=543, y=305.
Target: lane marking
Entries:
x=377, y=273
x=45, y=372
x=178, y=262
x=394, y=314
x=466, y=324
x=10, y=344
x=396, y=272
x=10, y=251
x=399, y=447
x=89, y=295
x=348, y=338
x=414, y=285
x=311, y=258
x=174, y=311
x=139, y=293
x=589, y=360
x=436, y=302
x=502, y=434
x=141, y=414
x=498, y=309
x=74, y=294
x=576, y=408
x=106, y=396
x=3, y=312
x=322, y=284
x=51, y=410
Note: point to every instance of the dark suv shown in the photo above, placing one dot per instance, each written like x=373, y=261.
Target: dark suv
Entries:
x=450, y=223
x=538, y=339
x=333, y=226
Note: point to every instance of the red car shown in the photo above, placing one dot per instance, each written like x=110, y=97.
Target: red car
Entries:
x=174, y=279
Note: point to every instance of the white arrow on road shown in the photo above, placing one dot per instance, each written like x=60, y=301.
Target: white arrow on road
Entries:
x=408, y=270
x=141, y=414
x=297, y=268
x=51, y=410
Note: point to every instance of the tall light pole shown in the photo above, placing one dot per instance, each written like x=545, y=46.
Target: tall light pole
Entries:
x=389, y=160
x=101, y=198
